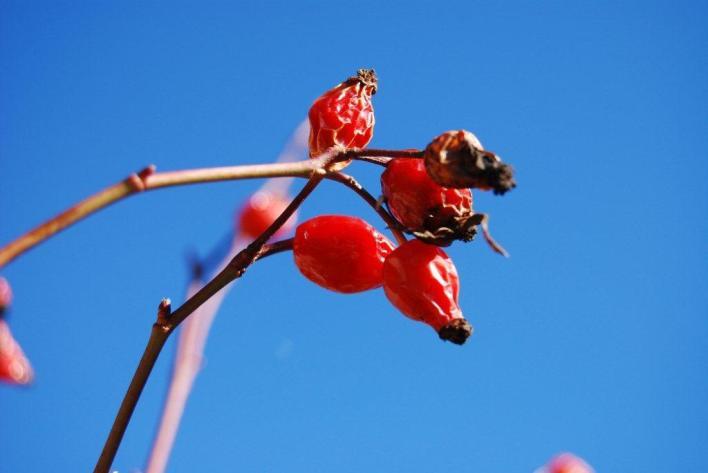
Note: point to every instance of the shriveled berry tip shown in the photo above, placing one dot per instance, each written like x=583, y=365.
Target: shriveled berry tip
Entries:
x=368, y=78
x=457, y=331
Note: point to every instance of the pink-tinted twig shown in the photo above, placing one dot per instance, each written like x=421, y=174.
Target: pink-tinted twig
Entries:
x=195, y=330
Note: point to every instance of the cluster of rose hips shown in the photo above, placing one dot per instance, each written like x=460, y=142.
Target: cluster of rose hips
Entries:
x=429, y=196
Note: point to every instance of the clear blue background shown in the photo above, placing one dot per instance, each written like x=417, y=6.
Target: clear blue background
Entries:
x=590, y=338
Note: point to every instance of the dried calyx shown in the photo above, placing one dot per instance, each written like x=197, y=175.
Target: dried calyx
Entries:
x=457, y=159
x=457, y=331
x=435, y=214
x=462, y=227
x=367, y=77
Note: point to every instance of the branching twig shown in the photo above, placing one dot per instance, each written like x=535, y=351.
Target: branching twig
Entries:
x=148, y=179
x=354, y=185
x=384, y=153
x=166, y=324
x=195, y=330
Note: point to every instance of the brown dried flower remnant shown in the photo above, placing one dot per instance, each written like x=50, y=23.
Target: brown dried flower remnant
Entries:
x=456, y=159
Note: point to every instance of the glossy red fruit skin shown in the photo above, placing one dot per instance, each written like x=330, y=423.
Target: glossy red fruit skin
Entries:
x=261, y=209
x=421, y=281
x=341, y=253
x=419, y=203
x=343, y=116
x=568, y=463
x=14, y=366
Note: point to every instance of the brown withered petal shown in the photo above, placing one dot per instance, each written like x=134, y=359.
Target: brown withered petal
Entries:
x=461, y=227
x=456, y=159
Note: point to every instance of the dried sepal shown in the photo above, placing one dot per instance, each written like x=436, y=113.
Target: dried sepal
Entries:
x=462, y=226
x=457, y=331
x=367, y=78
x=457, y=159
x=343, y=117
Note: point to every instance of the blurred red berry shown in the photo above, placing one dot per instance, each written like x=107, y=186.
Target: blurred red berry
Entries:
x=568, y=463
x=434, y=213
x=14, y=366
x=5, y=294
x=421, y=281
x=344, y=116
x=340, y=253
x=260, y=211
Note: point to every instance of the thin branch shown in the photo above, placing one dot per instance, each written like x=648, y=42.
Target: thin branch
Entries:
x=158, y=337
x=354, y=185
x=374, y=160
x=188, y=362
x=195, y=330
x=148, y=179
x=184, y=372
x=384, y=153
x=277, y=247
x=165, y=325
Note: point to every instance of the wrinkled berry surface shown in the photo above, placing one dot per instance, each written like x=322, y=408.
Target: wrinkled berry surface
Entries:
x=417, y=201
x=421, y=281
x=342, y=116
x=341, y=253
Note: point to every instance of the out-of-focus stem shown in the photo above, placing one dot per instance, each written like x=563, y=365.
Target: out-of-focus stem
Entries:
x=167, y=323
x=189, y=361
x=195, y=330
x=184, y=372
x=158, y=337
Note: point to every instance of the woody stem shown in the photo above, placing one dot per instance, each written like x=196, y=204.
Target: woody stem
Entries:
x=148, y=179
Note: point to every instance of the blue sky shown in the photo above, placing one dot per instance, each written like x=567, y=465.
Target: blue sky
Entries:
x=590, y=338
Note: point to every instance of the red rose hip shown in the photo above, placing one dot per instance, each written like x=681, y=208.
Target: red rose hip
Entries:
x=568, y=463
x=344, y=116
x=340, y=253
x=434, y=213
x=14, y=365
x=421, y=281
x=260, y=211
